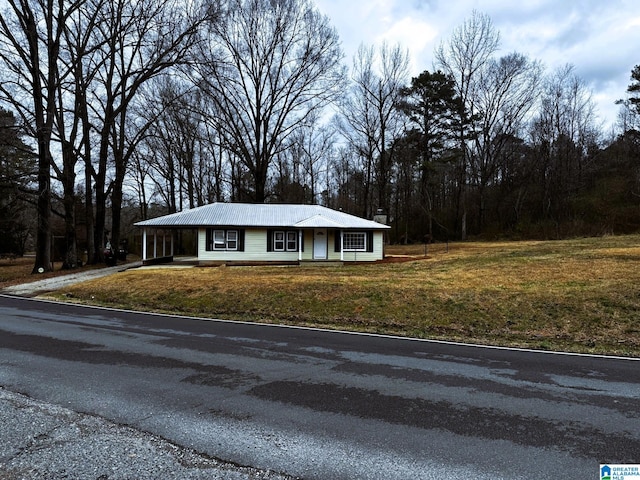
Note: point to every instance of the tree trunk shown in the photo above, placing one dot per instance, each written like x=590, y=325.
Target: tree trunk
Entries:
x=116, y=204
x=43, y=234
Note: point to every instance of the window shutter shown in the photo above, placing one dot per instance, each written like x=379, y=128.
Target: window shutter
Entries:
x=209, y=240
x=369, y=235
x=337, y=245
x=269, y=240
x=241, y=240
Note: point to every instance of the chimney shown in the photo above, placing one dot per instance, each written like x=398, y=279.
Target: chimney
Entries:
x=380, y=217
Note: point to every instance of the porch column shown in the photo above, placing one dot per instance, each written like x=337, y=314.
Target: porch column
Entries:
x=164, y=243
x=341, y=246
x=172, y=243
x=144, y=243
x=155, y=244
x=299, y=245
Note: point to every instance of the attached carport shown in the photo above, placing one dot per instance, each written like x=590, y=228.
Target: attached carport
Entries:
x=162, y=238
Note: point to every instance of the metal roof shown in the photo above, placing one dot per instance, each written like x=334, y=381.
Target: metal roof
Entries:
x=261, y=215
x=319, y=221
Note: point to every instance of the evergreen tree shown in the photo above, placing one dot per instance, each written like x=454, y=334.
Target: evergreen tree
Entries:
x=16, y=177
x=634, y=88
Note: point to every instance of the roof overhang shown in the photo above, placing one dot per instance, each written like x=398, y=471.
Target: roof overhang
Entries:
x=261, y=216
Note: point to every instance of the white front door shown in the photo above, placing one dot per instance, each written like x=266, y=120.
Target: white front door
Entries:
x=320, y=244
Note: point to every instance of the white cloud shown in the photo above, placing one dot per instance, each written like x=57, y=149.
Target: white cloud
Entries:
x=414, y=34
x=600, y=38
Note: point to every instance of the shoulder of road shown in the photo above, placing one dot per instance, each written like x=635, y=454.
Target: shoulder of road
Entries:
x=43, y=440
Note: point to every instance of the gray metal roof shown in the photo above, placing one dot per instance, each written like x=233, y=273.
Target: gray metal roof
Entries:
x=261, y=215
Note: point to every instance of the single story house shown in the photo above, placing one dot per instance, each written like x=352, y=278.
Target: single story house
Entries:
x=242, y=232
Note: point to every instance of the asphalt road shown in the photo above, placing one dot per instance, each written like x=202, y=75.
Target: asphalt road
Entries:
x=316, y=404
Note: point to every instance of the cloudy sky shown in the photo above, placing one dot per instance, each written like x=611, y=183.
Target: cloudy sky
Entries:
x=600, y=38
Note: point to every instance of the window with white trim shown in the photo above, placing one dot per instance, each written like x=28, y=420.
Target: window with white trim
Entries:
x=285, y=241
x=278, y=241
x=219, y=240
x=354, y=241
x=222, y=239
x=232, y=239
x=292, y=241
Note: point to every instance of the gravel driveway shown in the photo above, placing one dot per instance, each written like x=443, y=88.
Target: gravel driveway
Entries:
x=55, y=283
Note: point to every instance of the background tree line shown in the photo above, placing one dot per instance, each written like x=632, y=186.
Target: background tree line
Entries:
x=117, y=110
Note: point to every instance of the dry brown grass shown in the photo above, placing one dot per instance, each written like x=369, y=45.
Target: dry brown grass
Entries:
x=18, y=270
x=15, y=271
x=579, y=295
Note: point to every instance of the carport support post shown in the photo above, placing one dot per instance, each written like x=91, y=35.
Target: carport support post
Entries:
x=144, y=244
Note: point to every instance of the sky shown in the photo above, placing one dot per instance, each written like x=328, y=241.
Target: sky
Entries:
x=600, y=38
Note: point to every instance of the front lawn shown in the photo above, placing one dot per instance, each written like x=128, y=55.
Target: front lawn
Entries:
x=578, y=295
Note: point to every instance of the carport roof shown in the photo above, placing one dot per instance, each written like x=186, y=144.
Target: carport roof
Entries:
x=261, y=215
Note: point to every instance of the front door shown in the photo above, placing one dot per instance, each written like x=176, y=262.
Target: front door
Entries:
x=320, y=244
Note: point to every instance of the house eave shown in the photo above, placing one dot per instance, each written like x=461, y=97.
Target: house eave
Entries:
x=261, y=216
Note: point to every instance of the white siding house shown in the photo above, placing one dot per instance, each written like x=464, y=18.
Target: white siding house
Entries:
x=239, y=232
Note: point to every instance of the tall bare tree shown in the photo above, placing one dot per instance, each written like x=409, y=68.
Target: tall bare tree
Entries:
x=370, y=119
x=311, y=151
x=506, y=93
x=468, y=50
x=562, y=134
x=172, y=141
x=31, y=33
x=273, y=63
x=72, y=127
x=140, y=41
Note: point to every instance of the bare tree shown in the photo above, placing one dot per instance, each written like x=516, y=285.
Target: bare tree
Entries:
x=370, y=119
x=628, y=118
x=470, y=47
x=562, y=134
x=349, y=181
x=311, y=150
x=506, y=92
x=273, y=63
x=359, y=123
x=141, y=40
x=213, y=169
x=172, y=139
x=72, y=126
x=31, y=34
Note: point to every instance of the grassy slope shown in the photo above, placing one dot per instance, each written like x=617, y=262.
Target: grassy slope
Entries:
x=579, y=295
